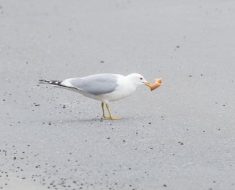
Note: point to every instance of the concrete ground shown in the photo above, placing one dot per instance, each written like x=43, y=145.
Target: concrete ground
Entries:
x=179, y=137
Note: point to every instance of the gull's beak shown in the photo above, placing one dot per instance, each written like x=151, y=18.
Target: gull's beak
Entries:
x=148, y=84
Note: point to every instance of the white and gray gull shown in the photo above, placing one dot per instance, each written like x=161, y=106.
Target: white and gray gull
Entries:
x=104, y=87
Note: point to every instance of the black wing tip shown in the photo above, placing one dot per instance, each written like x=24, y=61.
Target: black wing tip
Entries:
x=43, y=81
x=53, y=82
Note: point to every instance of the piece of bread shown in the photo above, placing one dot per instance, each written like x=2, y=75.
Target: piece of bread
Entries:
x=155, y=85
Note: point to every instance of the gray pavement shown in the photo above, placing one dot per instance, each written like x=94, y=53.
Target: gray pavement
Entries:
x=178, y=137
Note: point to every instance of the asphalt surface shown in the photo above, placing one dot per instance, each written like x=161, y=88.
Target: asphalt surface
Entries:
x=178, y=137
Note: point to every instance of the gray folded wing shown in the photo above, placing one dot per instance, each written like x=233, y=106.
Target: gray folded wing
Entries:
x=94, y=84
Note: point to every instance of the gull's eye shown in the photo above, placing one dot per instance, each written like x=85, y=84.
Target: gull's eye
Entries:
x=141, y=78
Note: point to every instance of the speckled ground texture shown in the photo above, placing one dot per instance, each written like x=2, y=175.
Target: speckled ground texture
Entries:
x=178, y=137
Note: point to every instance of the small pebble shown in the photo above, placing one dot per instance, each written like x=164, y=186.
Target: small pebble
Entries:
x=181, y=143
x=35, y=104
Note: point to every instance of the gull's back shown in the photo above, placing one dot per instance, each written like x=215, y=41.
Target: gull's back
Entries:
x=95, y=85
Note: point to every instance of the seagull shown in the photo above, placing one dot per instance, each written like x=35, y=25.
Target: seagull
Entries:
x=105, y=87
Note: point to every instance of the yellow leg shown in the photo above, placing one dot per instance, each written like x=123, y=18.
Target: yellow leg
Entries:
x=102, y=105
x=110, y=115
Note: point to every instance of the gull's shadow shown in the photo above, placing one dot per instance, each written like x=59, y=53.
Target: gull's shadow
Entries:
x=55, y=121
x=85, y=120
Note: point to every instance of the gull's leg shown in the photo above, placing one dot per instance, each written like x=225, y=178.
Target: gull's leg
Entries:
x=103, y=110
x=102, y=105
x=110, y=115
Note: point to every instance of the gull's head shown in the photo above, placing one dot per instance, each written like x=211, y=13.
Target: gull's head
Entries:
x=137, y=79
